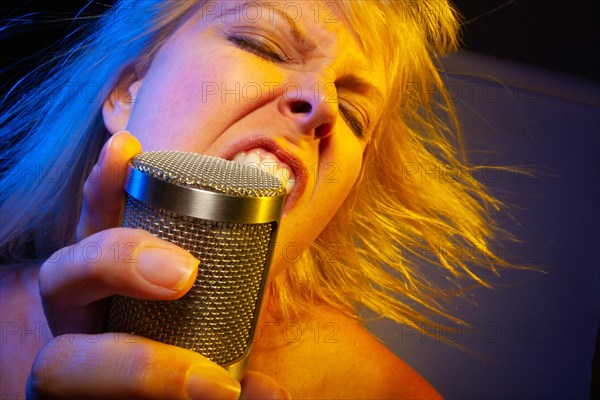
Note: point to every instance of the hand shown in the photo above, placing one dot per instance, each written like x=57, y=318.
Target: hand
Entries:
x=113, y=365
x=130, y=262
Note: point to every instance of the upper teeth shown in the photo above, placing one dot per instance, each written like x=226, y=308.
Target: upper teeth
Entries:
x=269, y=163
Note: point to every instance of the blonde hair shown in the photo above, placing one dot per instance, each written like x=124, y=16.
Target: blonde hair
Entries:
x=359, y=258
x=387, y=247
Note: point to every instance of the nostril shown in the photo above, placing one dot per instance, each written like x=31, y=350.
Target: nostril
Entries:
x=322, y=131
x=301, y=107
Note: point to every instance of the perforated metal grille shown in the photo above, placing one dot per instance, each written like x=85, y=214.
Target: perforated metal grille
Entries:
x=215, y=317
x=209, y=173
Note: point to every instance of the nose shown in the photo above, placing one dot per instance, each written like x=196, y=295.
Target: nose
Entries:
x=313, y=107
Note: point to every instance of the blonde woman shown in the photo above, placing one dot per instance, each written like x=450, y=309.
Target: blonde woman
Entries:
x=340, y=94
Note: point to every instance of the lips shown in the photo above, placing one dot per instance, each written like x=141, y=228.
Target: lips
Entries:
x=275, y=160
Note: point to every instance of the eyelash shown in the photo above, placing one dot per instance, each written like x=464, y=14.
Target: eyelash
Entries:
x=352, y=122
x=257, y=47
x=264, y=51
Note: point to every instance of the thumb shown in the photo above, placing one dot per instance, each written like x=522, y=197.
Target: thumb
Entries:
x=103, y=189
x=260, y=386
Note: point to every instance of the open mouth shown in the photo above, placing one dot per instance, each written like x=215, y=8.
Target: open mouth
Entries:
x=268, y=162
x=264, y=153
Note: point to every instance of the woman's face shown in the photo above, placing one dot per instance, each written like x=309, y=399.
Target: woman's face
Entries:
x=284, y=84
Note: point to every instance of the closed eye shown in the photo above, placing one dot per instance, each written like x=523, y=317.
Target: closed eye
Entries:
x=354, y=121
x=258, y=47
x=360, y=103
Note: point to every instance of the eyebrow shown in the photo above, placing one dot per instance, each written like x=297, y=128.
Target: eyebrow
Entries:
x=301, y=40
x=304, y=42
x=352, y=81
x=362, y=86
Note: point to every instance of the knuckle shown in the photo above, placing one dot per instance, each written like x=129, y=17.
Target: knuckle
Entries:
x=138, y=364
x=39, y=382
x=48, y=270
x=138, y=358
x=102, y=253
x=34, y=388
x=158, y=368
x=89, y=190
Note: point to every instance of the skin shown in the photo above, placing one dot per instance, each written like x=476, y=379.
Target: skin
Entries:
x=167, y=109
x=170, y=108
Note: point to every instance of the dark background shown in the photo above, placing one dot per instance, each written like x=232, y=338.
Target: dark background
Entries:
x=560, y=212
x=558, y=35
x=554, y=314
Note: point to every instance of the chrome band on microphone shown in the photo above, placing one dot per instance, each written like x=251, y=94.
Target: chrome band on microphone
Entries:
x=202, y=204
x=227, y=216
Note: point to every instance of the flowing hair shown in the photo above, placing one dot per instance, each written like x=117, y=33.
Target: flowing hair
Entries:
x=403, y=243
x=54, y=132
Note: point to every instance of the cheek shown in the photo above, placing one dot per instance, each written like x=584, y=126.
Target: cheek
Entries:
x=341, y=167
x=186, y=103
x=304, y=224
x=173, y=110
x=338, y=180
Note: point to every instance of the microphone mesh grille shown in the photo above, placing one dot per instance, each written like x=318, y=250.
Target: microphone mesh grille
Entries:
x=208, y=173
x=215, y=317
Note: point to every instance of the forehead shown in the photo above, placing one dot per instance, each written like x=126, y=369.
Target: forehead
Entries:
x=329, y=12
x=324, y=24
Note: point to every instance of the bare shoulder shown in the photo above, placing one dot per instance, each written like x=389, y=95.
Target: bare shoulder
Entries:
x=384, y=374
x=334, y=356
x=24, y=328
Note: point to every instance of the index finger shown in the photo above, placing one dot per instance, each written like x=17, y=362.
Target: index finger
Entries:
x=103, y=189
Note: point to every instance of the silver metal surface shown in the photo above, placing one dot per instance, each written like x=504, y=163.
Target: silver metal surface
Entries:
x=202, y=203
x=218, y=316
x=216, y=175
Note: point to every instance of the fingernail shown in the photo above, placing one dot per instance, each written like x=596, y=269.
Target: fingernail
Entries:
x=211, y=383
x=284, y=394
x=110, y=145
x=166, y=268
x=117, y=137
x=126, y=144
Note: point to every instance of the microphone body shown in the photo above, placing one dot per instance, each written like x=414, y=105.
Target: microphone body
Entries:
x=227, y=216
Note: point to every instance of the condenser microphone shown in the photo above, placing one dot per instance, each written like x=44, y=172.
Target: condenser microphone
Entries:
x=226, y=215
